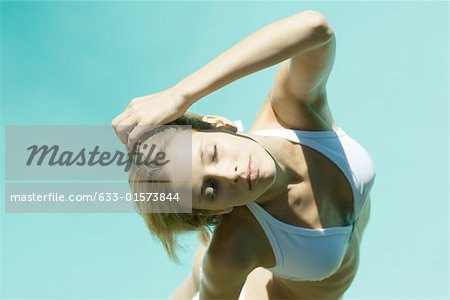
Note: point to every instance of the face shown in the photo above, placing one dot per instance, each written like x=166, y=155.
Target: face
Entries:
x=228, y=169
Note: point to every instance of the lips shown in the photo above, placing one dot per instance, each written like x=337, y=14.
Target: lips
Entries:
x=252, y=173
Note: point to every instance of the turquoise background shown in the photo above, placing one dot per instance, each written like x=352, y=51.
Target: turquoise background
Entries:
x=82, y=62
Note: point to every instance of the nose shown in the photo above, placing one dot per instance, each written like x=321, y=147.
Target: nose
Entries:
x=229, y=176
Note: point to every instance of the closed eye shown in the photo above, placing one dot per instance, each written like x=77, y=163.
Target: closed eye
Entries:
x=214, y=158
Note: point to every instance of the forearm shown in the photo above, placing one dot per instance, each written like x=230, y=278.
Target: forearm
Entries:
x=267, y=46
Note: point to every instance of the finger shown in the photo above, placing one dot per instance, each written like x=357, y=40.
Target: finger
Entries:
x=124, y=129
x=116, y=121
x=137, y=132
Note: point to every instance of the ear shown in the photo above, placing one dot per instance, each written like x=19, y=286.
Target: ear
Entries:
x=215, y=212
x=219, y=121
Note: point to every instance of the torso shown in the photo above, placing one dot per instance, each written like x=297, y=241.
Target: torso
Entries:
x=303, y=205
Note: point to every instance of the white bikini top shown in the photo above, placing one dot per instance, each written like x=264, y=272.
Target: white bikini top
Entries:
x=304, y=254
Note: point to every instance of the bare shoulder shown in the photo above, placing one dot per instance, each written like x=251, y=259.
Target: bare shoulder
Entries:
x=234, y=241
x=228, y=260
x=276, y=114
x=298, y=97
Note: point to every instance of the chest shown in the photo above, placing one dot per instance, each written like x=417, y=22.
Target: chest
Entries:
x=321, y=198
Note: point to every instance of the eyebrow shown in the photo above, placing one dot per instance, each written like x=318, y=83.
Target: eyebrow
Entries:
x=200, y=195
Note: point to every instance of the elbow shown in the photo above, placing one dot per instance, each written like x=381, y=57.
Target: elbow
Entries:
x=318, y=23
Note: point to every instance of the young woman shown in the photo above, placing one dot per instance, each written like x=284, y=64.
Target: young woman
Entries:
x=289, y=199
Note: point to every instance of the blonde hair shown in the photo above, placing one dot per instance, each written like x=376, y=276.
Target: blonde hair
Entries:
x=167, y=226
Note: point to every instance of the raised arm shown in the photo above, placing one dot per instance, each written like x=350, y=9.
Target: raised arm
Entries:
x=267, y=46
x=276, y=42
